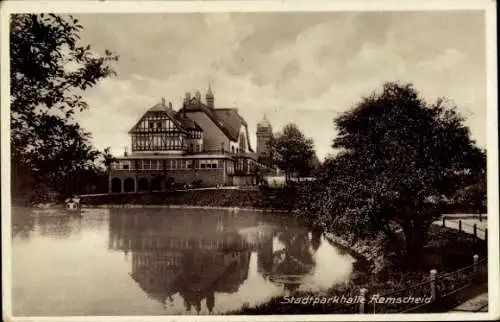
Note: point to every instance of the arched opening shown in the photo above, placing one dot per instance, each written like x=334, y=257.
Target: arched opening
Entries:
x=156, y=183
x=129, y=185
x=116, y=185
x=143, y=184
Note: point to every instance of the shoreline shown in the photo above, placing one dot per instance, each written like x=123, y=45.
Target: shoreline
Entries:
x=181, y=207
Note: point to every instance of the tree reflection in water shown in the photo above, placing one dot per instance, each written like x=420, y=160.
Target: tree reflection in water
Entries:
x=50, y=222
x=22, y=222
x=199, y=254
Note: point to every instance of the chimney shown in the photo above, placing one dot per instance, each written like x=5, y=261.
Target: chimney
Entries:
x=163, y=101
x=125, y=153
x=170, y=105
x=198, y=96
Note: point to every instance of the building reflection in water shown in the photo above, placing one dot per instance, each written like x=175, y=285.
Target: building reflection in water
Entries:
x=197, y=255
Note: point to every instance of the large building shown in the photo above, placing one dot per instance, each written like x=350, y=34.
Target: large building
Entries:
x=196, y=145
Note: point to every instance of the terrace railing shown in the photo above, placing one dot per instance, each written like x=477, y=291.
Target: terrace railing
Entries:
x=436, y=287
x=473, y=229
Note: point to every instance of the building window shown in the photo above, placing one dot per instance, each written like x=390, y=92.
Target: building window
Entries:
x=158, y=125
x=185, y=164
x=151, y=125
x=209, y=164
x=121, y=165
x=146, y=164
x=149, y=164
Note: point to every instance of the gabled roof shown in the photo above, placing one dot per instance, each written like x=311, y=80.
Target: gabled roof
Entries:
x=187, y=123
x=228, y=120
x=231, y=120
x=183, y=123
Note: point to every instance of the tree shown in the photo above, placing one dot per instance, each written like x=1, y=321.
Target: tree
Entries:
x=49, y=71
x=400, y=160
x=292, y=151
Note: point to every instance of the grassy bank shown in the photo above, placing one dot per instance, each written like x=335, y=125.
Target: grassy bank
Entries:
x=283, y=199
x=446, y=251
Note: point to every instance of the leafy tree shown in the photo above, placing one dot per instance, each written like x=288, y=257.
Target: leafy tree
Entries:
x=472, y=197
x=400, y=162
x=49, y=71
x=292, y=151
x=107, y=158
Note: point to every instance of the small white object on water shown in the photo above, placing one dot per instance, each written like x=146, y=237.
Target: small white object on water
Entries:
x=72, y=203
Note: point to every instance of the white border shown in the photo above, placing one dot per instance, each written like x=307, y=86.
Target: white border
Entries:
x=111, y=6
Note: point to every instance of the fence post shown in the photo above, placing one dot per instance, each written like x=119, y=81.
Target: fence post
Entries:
x=475, y=231
x=433, y=274
x=475, y=260
x=444, y=224
x=362, y=300
x=460, y=225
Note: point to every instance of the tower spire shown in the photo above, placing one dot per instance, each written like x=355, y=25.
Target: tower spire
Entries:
x=210, y=95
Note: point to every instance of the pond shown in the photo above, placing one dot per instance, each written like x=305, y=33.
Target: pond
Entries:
x=159, y=261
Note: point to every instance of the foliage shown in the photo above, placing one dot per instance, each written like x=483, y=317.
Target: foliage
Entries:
x=400, y=161
x=292, y=151
x=472, y=197
x=49, y=72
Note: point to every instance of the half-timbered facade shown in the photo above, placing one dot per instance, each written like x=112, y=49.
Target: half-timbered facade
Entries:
x=197, y=145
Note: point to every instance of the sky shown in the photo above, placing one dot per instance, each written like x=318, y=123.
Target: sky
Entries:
x=300, y=67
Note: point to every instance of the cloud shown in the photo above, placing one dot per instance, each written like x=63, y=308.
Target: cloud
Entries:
x=302, y=68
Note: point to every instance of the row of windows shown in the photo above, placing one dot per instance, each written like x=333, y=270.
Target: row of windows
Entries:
x=209, y=164
x=195, y=134
x=152, y=142
x=168, y=164
x=156, y=124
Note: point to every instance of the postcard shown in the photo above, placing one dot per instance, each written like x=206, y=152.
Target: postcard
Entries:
x=249, y=161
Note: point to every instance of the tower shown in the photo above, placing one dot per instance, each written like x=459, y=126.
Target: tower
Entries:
x=264, y=135
x=210, y=97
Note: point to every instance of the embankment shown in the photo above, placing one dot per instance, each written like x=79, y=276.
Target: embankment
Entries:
x=280, y=199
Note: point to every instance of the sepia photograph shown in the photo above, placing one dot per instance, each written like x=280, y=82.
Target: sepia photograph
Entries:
x=266, y=160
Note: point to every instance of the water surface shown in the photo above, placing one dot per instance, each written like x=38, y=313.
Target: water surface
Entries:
x=163, y=261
